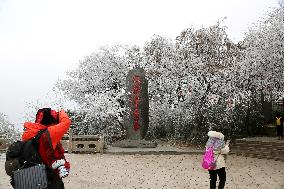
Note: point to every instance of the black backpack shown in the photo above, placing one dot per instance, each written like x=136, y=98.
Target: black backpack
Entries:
x=22, y=155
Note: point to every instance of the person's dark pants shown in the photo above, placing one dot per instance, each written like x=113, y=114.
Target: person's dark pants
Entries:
x=56, y=184
x=279, y=129
x=213, y=178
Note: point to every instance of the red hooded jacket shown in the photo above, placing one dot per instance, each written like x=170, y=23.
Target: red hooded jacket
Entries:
x=54, y=151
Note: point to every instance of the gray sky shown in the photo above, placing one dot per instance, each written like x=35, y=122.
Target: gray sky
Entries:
x=40, y=40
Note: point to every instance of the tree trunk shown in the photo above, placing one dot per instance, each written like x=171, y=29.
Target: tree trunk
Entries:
x=247, y=120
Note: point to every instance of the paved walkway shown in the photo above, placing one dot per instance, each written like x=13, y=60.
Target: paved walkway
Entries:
x=263, y=139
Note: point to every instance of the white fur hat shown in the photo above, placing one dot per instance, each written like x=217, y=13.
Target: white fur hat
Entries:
x=216, y=134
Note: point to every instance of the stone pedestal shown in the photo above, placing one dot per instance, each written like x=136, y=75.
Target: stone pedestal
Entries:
x=128, y=143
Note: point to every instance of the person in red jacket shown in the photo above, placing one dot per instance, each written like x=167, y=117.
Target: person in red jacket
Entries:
x=50, y=149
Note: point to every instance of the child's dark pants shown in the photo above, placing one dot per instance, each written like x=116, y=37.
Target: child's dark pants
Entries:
x=213, y=178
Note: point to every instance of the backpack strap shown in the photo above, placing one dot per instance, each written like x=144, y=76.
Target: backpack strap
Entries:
x=50, y=143
x=213, y=149
x=36, y=138
x=35, y=142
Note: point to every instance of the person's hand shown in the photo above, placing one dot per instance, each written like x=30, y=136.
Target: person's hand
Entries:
x=61, y=113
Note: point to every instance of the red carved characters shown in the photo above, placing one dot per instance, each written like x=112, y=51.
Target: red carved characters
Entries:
x=136, y=92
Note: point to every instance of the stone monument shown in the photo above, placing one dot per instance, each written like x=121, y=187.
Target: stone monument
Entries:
x=138, y=104
x=137, y=118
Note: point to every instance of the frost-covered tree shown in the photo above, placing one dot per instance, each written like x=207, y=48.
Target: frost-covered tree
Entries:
x=162, y=72
x=7, y=129
x=98, y=87
x=261, y=69
x=184, y=79
x=192, y=82
x=209, y=60
x=199, y=81
x=264, y=53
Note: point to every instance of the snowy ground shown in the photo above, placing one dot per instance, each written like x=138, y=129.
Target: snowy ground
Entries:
x=163, y=171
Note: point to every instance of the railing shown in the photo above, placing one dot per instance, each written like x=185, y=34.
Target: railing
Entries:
x=83, y=143
x=72, y=143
